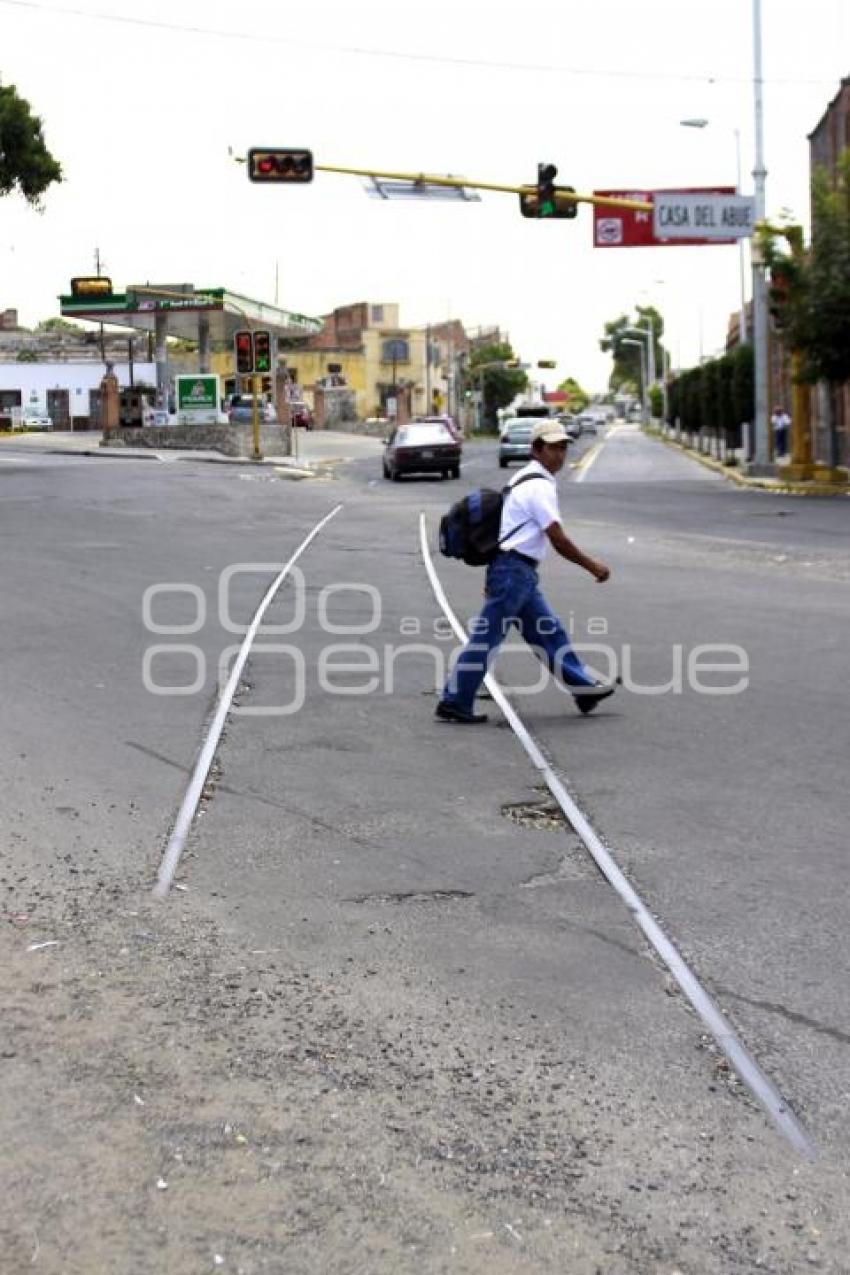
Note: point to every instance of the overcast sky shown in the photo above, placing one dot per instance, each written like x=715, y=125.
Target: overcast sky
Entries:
x=140, y=102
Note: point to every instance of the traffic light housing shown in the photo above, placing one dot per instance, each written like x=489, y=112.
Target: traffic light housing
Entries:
x=279, y=164
x=547, y=199
x=262, y=352
x=780, y=280
x=243, y=343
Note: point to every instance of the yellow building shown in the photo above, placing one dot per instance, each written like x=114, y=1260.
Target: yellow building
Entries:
x=392, y=370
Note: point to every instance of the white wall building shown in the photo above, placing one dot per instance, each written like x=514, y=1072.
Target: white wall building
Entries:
x=62, y=390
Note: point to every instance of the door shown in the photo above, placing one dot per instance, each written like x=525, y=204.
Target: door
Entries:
x=59, y=408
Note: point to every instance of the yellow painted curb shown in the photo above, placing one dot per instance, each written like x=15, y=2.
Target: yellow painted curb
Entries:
x=774, y=485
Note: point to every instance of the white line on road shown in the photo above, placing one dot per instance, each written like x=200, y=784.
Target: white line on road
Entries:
x=747, y=1068
x=189, y=806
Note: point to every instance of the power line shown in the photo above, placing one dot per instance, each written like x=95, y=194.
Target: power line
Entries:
x=536, y=68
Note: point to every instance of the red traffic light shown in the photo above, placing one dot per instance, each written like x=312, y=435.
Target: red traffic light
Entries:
x=243, y=343
x=279, y=164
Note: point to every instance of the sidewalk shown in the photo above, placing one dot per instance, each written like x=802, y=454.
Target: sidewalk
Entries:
x=778, y=484
x=314, y=449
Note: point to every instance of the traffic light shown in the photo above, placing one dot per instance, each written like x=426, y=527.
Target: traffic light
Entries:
x=546, y=202
x=244, y=345
x=561, y=206
x=547, y=363
x=281, y=164
x=780, y=280
x=262, y=351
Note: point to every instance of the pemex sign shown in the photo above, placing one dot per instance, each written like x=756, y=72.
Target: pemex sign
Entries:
x=692, y=215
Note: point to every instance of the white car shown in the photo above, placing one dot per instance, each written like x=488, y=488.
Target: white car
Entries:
x=34, y=421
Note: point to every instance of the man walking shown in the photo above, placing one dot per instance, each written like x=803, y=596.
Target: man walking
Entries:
x=530, y=523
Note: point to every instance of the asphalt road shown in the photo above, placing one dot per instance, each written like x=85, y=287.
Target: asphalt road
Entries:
x=457, y=931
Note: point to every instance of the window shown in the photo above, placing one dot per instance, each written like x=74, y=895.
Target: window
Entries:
x=395, y=351
x=377, y=314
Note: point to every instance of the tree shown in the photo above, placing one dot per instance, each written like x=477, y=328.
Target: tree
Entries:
x=814, y=313
x=489, y=372
x=577, y=398
x=25, y=161
x=626, y=373
x=59, y=325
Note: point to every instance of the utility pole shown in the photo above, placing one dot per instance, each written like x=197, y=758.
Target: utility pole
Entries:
x=97, y=265
x=761, y=457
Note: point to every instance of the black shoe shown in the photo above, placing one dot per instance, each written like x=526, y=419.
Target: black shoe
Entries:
x=589, y=696
x=449, y=712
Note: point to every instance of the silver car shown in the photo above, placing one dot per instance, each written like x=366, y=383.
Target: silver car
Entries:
x=515, y=440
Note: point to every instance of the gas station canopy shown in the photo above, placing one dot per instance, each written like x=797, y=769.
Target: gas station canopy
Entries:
x=183, y=307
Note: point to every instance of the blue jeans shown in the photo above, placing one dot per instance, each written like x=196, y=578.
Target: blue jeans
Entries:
x=513, y=597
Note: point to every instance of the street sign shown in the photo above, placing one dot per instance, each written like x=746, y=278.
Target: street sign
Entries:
x=712, y=217
x=631, y=228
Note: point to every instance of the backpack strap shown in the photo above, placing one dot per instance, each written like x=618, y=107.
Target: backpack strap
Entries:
x=505, y=493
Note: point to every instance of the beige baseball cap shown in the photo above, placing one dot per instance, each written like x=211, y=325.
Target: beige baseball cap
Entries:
x=550, y=432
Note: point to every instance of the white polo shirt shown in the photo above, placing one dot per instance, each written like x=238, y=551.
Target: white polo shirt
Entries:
x=534, y=504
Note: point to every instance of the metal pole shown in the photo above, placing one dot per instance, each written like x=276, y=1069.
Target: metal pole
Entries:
x=428, y=369
x=650, y=349
x=761, y=460
x=256, y=383
x=742, y=314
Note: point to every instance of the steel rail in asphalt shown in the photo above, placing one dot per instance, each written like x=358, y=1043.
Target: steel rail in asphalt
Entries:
x=762, y=1088
x=189, y=805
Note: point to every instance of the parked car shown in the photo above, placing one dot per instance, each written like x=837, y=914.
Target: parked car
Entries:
x=300, y=414
x=448, y=421
x=242, y=409
x=33, y=420
x=515, y=440
x=421, y=447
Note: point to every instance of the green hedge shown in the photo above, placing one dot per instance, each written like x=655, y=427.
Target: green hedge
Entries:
x=711, y=402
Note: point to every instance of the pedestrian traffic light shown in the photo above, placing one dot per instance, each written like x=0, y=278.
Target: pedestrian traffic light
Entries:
x=281, y=164
x=244, y=345
x=262, y=351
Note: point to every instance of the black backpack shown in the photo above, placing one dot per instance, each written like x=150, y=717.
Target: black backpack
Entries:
x=470, y=530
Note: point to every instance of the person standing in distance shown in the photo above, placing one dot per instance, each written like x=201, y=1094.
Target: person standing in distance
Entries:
x=530, y=523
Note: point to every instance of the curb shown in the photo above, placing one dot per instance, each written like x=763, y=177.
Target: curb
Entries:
x=774, y=485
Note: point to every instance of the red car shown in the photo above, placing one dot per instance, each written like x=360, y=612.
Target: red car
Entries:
x=442, y=420
x=422, y=447
x=300, y=414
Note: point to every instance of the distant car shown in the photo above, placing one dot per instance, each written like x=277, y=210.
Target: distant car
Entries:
x=241, y=409
x=588, y=423
x=300, y=414
x=421, y=447
x=35, y=421
x=515, y=440
x=571, y=425
x=448, y=421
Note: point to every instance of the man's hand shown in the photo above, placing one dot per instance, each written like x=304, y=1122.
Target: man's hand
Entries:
x=562, y=544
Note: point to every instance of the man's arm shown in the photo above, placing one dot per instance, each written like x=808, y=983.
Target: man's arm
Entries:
x=562, y=544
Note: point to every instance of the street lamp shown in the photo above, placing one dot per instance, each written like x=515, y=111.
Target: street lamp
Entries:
x=644, y=394
x=742, y=312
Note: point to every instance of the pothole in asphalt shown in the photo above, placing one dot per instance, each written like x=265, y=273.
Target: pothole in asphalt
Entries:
x=537, y=814
x=412, y=896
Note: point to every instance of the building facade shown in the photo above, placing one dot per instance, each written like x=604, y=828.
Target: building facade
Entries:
x=393, y=371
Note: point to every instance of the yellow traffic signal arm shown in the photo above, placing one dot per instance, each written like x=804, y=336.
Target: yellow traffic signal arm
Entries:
x=429, y=179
